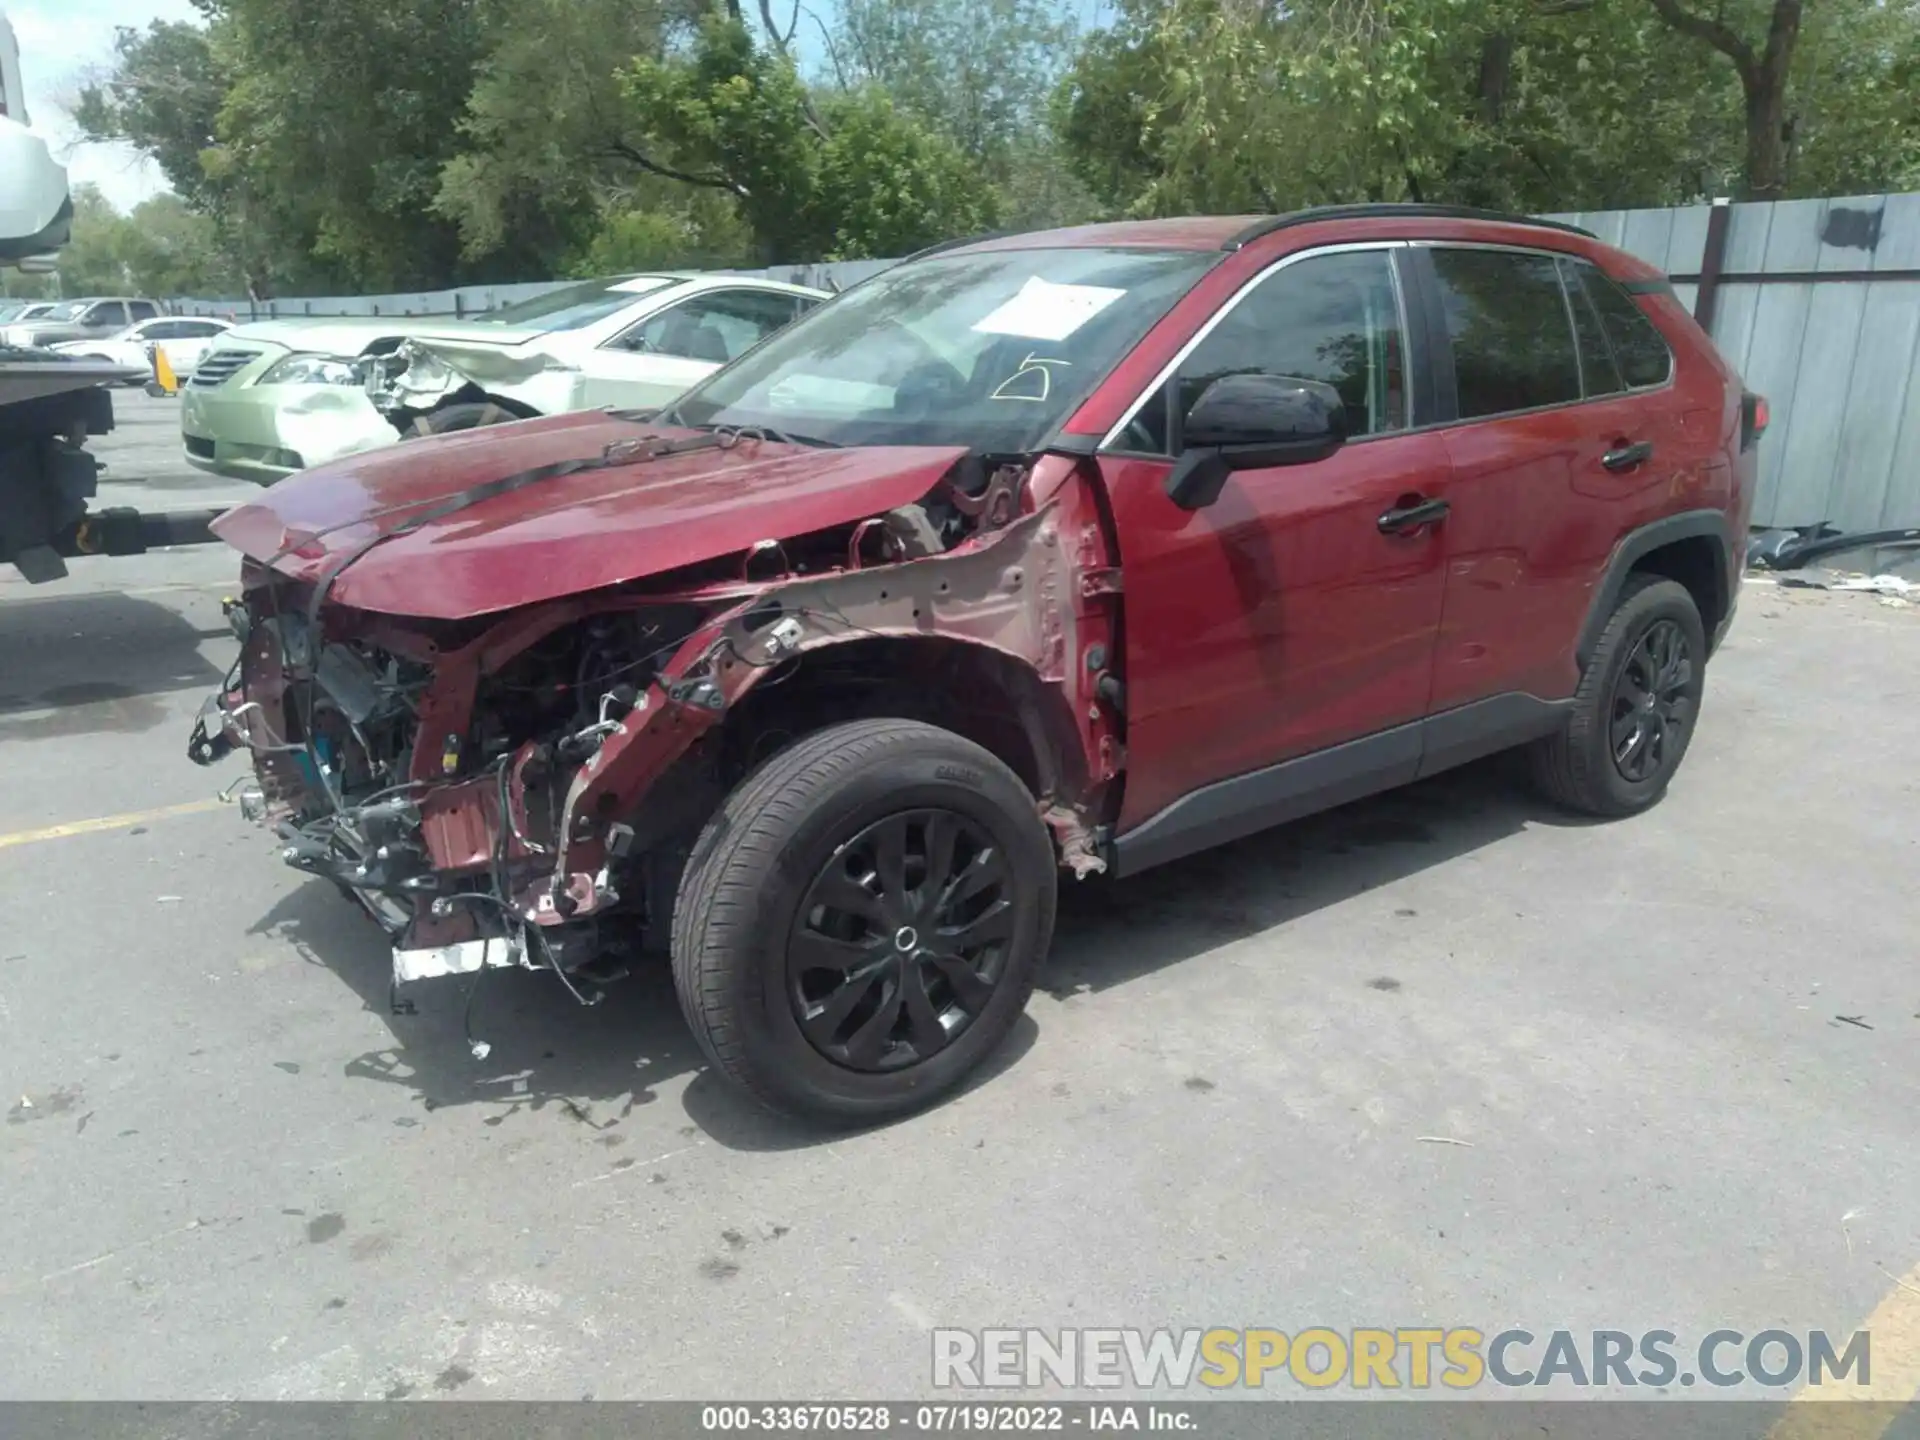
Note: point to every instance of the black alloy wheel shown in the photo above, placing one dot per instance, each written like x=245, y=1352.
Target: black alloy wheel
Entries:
x=861, y=922
x=900, y=940
x=1632, y=719
x=1652, y=702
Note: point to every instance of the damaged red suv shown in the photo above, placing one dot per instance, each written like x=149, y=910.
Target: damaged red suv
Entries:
x=1077, y=551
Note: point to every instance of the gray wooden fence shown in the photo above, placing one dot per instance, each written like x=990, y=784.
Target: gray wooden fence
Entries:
x=1815, y=302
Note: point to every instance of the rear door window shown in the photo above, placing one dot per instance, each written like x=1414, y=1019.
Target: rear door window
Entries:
x=1510, y=329
x=142, y=309
x=1641, y=350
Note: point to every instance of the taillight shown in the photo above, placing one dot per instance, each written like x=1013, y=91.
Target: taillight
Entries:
x=1753, y=419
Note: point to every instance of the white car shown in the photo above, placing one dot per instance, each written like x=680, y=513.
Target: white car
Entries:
x=185, y=339
x=278, y=396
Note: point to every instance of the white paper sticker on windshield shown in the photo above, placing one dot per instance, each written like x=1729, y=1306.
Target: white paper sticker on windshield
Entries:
x=1046, y=311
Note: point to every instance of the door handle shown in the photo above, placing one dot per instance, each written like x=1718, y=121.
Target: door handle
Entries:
x=1625, y=457
x=1404, y=518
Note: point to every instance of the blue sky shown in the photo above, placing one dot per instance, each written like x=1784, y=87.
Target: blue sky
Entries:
x=61, y=41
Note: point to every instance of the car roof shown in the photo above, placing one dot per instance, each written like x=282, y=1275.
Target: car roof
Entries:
x=1229, y=232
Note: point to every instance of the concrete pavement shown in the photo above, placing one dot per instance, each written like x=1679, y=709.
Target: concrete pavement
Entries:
x=1442, y=1058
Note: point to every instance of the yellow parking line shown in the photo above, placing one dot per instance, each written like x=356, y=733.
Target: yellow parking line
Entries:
x=106, y=822
x=1895, y=1328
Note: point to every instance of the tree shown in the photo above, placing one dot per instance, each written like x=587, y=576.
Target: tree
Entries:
x=980, y=73
x=345, y=114
x=164, y=94
x=170, y=250
x=92, y=262
x=1855, y=120
x=1763, y=72
x=541, y=134
x=839, y=176
x=1218, y=105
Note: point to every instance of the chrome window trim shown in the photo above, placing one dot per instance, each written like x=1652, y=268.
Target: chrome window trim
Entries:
x=1109, y=441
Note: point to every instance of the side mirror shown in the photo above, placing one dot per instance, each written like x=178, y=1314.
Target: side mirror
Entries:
x=1252, y=422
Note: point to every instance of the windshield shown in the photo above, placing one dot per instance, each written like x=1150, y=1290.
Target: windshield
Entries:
x=577, y=305
x=991, y=350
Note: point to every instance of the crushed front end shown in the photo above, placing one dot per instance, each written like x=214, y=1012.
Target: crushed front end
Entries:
x=425, y=767
x=522, y=787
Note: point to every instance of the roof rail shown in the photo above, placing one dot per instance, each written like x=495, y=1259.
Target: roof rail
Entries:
x=957, y=242
x=1390, y=212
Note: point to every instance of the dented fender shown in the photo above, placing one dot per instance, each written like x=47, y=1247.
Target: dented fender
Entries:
x=1016, y=591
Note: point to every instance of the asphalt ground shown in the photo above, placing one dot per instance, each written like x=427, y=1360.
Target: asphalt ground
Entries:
x=1444, y=1058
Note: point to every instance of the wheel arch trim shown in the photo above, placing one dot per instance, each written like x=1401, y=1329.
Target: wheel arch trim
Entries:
x=1634, y=547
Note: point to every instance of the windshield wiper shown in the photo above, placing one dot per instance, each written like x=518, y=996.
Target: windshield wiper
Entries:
x=765, y=432
x=786, y=437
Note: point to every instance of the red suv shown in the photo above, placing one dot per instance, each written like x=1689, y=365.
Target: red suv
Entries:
x=1082, y=550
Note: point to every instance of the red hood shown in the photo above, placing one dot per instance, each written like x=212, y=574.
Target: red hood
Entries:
x=559, y=536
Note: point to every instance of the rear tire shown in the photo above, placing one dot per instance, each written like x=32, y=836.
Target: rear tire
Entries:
x=1635, y=711
x=814, y=973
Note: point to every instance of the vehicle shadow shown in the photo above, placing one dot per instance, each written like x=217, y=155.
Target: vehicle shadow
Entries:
x=595, y=1066
x=1110, y=932
x=54, y=653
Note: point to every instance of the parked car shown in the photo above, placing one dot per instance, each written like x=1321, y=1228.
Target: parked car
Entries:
x=94, y=318
x=1077, y=551
x=278, y=396
x=184, y=338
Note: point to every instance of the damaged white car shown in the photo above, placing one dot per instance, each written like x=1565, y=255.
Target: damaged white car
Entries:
x=279, y=396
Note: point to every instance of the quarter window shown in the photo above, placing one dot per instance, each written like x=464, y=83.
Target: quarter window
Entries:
x=1510, y=330
x=1332, y=318
x=1641, y=349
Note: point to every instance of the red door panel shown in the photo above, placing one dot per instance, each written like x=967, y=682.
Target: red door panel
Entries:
x=1276, y=621
x=1535, y=516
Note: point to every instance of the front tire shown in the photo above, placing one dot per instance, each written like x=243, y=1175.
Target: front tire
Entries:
x=1636, y=708
x=467, y=415
x=861, y=923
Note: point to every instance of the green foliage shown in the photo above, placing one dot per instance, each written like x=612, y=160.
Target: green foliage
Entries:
x=701, y=231
x=1867, y=58
x=344, y=113
x=540, y=140
x=845, y=177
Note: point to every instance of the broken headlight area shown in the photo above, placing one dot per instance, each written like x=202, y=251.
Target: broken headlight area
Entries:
x=426, y=770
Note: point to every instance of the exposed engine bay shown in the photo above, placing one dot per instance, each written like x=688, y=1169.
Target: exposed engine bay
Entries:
x=524, y=787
